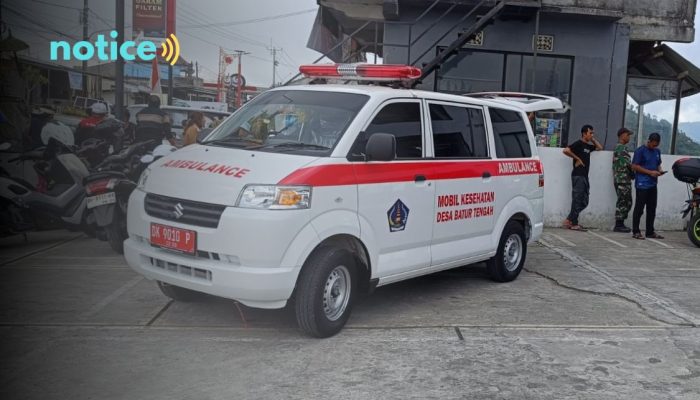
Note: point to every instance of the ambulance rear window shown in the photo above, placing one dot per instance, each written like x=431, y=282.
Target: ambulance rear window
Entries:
x=510, y=134
x=290, y=121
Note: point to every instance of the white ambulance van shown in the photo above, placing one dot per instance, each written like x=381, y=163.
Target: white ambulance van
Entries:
x=311, y=194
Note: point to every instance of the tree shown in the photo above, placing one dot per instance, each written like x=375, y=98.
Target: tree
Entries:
x=684, y=144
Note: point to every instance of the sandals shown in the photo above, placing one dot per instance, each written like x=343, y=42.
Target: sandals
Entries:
x=638, y=236
x=578, y=227
x=655, y=236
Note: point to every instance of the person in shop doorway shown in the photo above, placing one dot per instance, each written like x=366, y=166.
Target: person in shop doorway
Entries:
x=622, y=180
x=580, y=152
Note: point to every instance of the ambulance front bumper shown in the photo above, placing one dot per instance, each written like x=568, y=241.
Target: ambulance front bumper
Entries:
x=243, y=258
x=252, y=286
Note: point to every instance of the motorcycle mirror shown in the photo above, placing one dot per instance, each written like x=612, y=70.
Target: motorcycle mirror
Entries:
x=147, y=158
x=5, y=146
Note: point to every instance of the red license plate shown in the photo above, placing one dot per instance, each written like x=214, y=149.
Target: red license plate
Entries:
x=170, y=237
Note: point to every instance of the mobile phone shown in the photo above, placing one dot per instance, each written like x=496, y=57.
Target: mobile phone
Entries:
x=663, y=172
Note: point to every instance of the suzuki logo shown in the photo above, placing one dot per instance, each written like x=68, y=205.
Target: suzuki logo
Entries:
x=179, y=211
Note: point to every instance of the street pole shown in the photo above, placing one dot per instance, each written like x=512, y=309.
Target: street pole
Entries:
x=238, y=81
x=274, y=65
x=240, y=78
x=119, y=73
x=170, y=84
x=85, y=38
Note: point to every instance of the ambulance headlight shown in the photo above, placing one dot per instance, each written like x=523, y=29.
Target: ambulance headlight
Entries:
x=273, y=197
x=143, y=178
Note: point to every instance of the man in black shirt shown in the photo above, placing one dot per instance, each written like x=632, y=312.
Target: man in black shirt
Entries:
x=580, y=152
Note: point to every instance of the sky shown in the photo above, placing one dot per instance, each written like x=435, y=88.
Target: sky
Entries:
x=204, y=25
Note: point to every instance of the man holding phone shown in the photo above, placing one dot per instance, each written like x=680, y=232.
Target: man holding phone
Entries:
x=646, y=164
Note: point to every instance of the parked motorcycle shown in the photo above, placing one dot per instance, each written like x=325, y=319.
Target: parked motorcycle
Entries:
x=109, y=187
x=56, y=199
x=688, y=170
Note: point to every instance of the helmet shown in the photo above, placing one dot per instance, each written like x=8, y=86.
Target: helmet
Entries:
x=99, y=108
x=154, y=101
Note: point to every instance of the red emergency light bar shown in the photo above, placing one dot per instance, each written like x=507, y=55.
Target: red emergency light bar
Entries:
x=371, y=72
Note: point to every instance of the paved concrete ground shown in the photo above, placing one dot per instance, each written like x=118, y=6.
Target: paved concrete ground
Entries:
x=595, y=315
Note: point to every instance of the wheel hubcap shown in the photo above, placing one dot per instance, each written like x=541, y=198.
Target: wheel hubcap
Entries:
x=696, y=229
x=336, y=293
x=512, y=252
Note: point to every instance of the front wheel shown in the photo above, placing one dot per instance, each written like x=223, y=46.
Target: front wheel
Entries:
x=506, y=265
x=325, y=292
x=694, y=228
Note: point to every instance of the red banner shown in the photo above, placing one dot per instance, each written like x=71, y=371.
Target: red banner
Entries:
x=150, y=18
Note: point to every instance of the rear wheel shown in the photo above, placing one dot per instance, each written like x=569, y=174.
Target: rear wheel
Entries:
x=325, y=292
x=506, y=265
x=694, y=228
x=178, y=293
x=116, y=231
x=116, y=237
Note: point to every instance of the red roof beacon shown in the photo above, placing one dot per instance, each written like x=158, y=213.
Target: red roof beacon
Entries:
x=370, y=72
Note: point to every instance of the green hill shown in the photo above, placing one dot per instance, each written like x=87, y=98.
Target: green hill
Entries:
x=692, y=129
x=685, y=145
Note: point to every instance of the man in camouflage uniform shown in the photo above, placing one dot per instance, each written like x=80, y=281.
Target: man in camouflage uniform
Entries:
x=622, y=175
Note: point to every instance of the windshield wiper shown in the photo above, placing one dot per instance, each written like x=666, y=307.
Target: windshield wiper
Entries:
x=295, y=145
x=232, y=142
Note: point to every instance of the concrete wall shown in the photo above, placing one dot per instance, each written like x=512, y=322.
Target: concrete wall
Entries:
x=601, y=209
x=599, y=49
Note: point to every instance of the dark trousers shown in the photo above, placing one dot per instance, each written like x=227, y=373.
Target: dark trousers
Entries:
x=645, y=198
x=579, y=197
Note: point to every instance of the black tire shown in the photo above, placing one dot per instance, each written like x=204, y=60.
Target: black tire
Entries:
x=325, y=277
x=116, y=237
x=178, y=293
x=694, y=228
x=505, y=266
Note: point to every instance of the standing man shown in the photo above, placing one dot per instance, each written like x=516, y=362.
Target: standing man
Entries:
x=152, y=123
x=647, y=165
x=622, y=177
x=580, y=152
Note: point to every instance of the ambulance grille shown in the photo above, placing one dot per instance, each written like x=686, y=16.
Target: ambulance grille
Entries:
x=183, y=211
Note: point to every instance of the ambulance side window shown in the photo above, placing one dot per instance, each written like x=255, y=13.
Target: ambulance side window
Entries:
x=402, y=120
x=458, y=132
x=510, y=134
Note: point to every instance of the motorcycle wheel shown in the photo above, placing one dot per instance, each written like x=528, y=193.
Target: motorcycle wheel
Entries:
x=116, y=237
x=694, y=228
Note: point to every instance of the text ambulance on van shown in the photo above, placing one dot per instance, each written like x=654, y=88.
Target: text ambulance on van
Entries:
x=314, y=193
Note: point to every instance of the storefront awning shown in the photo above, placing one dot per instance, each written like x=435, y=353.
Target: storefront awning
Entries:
x=662, y=65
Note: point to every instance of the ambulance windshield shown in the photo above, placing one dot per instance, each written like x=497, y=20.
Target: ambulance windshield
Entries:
x=290, y=121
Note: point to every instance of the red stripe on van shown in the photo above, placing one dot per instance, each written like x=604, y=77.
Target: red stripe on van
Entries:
x=397, y=171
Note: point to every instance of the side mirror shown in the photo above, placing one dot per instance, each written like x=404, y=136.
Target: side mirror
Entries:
x=381, y=147
x=147, y=158
x=203, y=134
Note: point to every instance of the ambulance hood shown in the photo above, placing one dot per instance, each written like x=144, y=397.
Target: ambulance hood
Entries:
x=217, y=175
